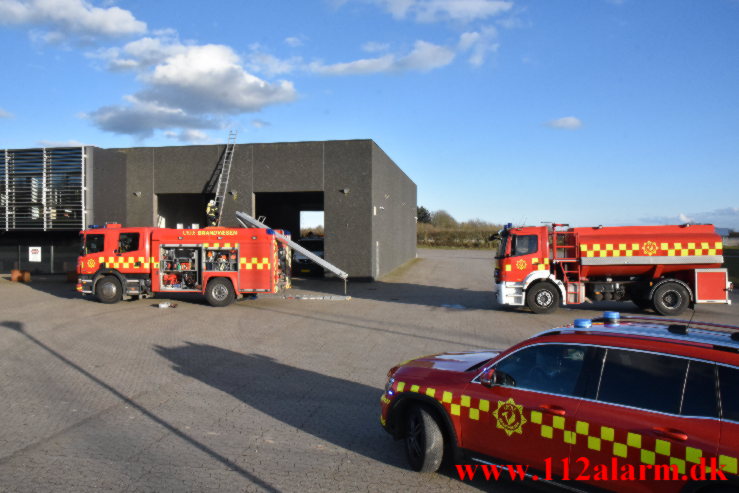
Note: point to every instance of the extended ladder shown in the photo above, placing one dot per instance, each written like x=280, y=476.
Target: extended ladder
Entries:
x=222, y=184
x=246, y=220
x=565, y=254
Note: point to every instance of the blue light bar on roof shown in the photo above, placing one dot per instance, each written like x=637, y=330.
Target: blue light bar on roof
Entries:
x=612, y=317
x=583, y=323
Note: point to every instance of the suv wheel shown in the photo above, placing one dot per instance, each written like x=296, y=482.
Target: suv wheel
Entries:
x=424, y=441
x=670, y=298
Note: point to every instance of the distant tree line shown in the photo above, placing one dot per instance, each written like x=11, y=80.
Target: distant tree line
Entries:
x=440, y=229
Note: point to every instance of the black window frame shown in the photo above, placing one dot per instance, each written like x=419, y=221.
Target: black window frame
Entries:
x=722, y=403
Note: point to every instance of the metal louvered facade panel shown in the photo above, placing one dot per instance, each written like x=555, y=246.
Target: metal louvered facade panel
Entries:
x=42, y=189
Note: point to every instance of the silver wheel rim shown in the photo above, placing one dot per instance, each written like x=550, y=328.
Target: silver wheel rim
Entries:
x=544, y=298
x=672, y=299
x=220, y=292
x=414, y=438
x=109, y=290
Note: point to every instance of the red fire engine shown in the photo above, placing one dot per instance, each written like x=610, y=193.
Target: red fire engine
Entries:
x=220, y=263
x=665, y=268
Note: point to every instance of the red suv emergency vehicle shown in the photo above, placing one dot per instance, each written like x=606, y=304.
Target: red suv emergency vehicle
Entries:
x=599, y=401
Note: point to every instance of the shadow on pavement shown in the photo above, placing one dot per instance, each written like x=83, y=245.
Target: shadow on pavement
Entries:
x=336, y=410
x=20, y=328
x=399, y=292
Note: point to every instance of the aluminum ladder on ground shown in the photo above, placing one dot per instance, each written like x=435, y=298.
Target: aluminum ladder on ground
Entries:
x=247, y=221
x=223, y=177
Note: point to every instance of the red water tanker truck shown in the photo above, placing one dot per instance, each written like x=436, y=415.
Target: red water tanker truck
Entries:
x=667, y=268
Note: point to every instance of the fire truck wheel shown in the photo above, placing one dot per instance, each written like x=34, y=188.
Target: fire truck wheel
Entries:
x=670, y=298
x=220, y=292
x=108, y=290
x=424, y=441
x=542, y=297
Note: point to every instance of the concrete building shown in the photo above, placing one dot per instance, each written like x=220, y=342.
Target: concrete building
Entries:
x=369, y=204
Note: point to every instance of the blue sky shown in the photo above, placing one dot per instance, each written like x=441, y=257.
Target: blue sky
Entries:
x=586, y=112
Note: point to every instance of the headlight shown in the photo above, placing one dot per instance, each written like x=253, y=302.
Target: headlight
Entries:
x=389, y=386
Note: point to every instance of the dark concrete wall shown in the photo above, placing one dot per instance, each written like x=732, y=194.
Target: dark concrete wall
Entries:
x=331, y=167
x=393, y=214
x=109, y=195
x=347, y=216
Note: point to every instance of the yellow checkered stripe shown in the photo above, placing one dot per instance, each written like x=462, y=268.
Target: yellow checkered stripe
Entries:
x=538, y=263
x=458, y=405
x=221, y=245
x=255, y=263
x=127, y=262
x=677, y=249
x=603, y=439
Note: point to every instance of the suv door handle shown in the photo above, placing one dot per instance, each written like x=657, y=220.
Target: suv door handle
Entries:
x=672, y=433
x=551, y=409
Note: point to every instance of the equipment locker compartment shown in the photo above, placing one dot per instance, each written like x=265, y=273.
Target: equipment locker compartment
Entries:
x=712, y=286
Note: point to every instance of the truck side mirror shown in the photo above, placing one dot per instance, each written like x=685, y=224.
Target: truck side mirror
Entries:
x=491, y=377
x=488, y=378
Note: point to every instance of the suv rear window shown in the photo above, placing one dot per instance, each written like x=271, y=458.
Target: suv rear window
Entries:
x=729, y=383
x=700, y=391
x=643, y=380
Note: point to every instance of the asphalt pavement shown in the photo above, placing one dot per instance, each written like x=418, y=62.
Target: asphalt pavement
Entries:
x=271, y=394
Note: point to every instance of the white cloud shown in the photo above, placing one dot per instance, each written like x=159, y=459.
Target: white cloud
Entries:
x=185, y=87
x=445, y=10
x=188, y=135
x=141, y=118
x=565, y=123
x=140, y=54
x=425, y=56
x=293, y=41
x=209, y=79
x=727, y=217
x=479, y=44
x=260, y=123
x=265, y=63
x=5, y=114
x=60, y=143
x=374, y=47
x=70, y=17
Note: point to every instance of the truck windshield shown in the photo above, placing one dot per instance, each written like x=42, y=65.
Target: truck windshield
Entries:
x=502, y=246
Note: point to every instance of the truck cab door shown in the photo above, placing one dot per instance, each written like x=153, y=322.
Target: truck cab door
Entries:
x=131, y=252
x=524, y=255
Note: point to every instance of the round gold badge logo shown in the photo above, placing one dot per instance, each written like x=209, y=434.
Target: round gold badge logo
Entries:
x=509, y=416
x=649, y=248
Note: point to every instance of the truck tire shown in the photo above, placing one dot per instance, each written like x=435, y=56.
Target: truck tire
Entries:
x=220, y=292
x=108, y=290
x=542, y=297
x=670, y=299
x=424, y=440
